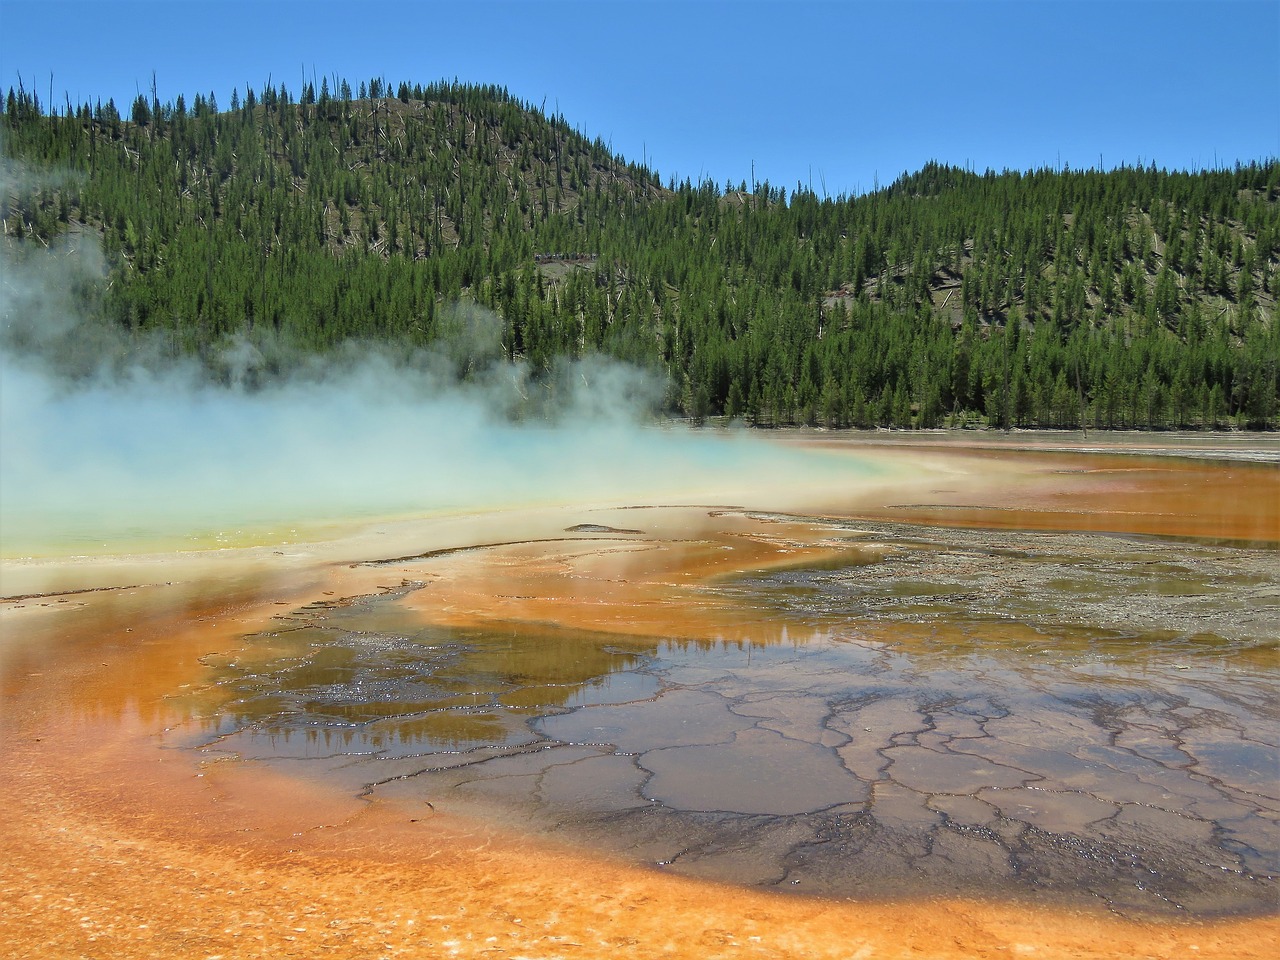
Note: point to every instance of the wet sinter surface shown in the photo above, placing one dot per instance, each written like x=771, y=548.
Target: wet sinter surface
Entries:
x=854, y=708
x=293, y=751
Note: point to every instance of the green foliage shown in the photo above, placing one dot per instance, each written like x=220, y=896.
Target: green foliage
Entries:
x=1136, y=298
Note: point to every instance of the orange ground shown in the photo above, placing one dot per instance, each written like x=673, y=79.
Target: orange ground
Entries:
x=115, y=843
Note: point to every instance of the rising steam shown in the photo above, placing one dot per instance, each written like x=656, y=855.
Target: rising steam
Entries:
x=108, y=440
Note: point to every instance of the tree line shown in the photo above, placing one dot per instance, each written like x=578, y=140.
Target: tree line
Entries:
x=1132, y=298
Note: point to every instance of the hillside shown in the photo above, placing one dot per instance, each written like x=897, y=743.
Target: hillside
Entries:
x=1131, y=298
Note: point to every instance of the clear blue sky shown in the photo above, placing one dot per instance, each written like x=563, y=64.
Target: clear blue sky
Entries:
x=840, y=94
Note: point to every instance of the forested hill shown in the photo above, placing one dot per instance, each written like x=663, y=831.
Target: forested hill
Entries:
x=1131, y=298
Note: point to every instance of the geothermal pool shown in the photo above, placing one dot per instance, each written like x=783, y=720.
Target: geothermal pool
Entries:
x=1024, y=690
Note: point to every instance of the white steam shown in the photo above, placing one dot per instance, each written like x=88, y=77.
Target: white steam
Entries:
x=107, y=442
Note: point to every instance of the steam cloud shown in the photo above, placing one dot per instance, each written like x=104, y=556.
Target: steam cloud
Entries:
x=106, y=439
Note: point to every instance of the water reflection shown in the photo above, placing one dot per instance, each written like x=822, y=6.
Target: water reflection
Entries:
x=363, y=677
x=903, y=708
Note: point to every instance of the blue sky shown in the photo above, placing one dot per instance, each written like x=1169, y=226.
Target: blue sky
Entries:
x=837, y=95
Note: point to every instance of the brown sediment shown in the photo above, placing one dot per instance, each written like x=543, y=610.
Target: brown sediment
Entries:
x=650, y=588
x=1129, y=493
x=119, y=840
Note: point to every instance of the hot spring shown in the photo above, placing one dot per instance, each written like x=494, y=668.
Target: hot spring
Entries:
x=1031, y=685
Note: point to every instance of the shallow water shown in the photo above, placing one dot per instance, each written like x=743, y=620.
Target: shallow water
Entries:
x=972, y=688
x=855, y=707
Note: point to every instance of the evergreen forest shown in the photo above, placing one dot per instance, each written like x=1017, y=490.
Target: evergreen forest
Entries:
x=1135, y=298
